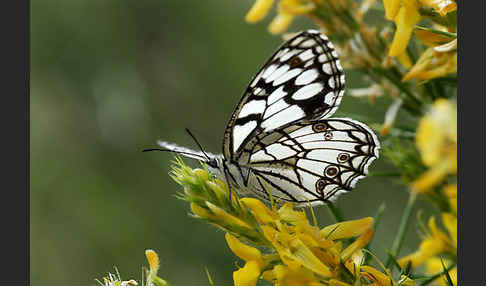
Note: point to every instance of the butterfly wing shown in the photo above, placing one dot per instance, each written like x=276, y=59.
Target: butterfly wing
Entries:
x=312, y=161
x=303, y=80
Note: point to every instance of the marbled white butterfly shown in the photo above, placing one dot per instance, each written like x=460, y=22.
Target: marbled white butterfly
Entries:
x=281, y=137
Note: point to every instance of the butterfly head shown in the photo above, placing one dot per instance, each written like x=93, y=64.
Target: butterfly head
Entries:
x=215, y=165
x=213, y=162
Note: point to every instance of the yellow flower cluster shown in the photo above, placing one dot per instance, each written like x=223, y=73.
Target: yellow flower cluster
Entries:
x=306, y=254
x=296, y=252
x=405, y=14
x=436, y=139
x=435, y=244
x=151, y=278
x=287, y=10
x=440, y=59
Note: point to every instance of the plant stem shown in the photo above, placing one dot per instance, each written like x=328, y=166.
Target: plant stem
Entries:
x=432, y=278
x=335, y=212
x=402, y=229
x=376, y=221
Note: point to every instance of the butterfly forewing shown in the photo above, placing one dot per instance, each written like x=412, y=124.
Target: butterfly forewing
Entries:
x=302, y=81
x=312, y=161
x=280, y=139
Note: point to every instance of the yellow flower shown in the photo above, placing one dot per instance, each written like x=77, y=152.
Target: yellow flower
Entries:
x=347, y=229
x=434, y=266
x=450, y=223
x=249, y=274
x=361, y=242
x=152, y=278
x=259, y=10
x=296, y=251
x=391, y=8
x=260, y=211
x=451, y=192
x=435, y=243
x=377, y=276
x=441, y=6
x=282, y=275
x=432, y=38
x=433, y=63
x=405, y=14
x=436, y=139
x=302, y=253
x=153, y=260
x=286, y=11
x=225, y=217
x=280, y=23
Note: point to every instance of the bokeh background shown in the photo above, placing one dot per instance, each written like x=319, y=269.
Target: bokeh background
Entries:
x=109, y=78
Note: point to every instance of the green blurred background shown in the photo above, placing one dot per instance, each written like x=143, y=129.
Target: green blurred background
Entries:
x=109, y=78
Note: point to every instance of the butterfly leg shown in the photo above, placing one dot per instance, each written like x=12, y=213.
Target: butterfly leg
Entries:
x=227, y=178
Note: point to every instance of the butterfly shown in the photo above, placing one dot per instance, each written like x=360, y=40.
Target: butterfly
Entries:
x=281, y=139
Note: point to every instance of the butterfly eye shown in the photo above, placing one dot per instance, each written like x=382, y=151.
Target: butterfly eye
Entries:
x=328, y=135
x=319, y=127
x=331, y=171
x=320, y=185
x=295, y=61
x=343, y=157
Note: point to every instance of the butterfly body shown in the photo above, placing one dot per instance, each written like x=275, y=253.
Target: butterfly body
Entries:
x=281, y=139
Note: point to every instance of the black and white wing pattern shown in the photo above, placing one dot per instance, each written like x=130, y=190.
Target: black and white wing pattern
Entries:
x=302, y=81
x=312, y=161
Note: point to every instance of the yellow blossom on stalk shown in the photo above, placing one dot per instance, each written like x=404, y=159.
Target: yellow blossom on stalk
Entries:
x=259, y=10
x=307, y=253
x=279, y=243
x=283, y=275
x=286, y=11
x=376, y=276
x=249, y=274
x=432, y=38
x=436, y=265
x=441, y=6
x=451, y=193
x=405, y=14
x=151, y=274
x=433, y=63
x=436, y=242
x=436, y=139
x=153, y=260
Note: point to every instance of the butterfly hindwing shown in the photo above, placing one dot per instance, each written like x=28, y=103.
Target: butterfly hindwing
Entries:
x=312, y=161
x=302, y=81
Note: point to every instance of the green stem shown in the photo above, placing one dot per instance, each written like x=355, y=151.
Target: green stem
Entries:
x=432, y=278
x=376, y=222
x=335, y=212
x=402, y=229
x=384, y=174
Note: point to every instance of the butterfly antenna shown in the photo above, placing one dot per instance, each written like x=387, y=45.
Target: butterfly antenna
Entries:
x=173, y=151
x=197, y=142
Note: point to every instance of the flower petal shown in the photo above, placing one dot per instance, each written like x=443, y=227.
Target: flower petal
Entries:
x=261, y=212
x=280, y=23
x=346, y=229
x=247, y=275
x=405, y=20
x=242, y=250
x=258, y=10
